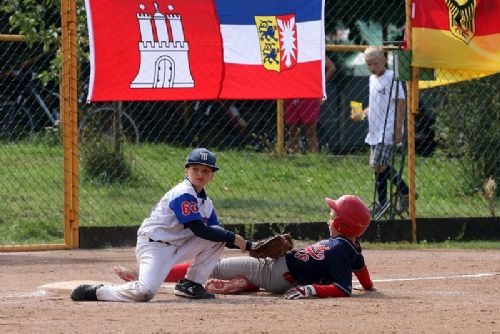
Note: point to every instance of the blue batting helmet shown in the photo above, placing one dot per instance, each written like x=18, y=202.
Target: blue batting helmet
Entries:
x=202, y=156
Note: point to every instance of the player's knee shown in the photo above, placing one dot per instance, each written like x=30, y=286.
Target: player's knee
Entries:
x=144, y=293
x=144, y=296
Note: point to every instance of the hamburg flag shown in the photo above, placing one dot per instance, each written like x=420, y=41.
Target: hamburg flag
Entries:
x=205, y=49
x=153, y=50
x=456, y=34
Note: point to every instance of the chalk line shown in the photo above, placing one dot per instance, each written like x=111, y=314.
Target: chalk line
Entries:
x=424, y=278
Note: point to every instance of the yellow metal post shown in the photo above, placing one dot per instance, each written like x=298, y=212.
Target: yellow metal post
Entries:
x=74, y=124
x=12, y=38
x=356, y=48
x=65, y=125
x=32, y=248
x=68, y=90
x=412, y=105
x=280, y=115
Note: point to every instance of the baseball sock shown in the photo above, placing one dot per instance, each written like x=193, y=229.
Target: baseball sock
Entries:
x=381, y=182
x=177, y=272
x=397, y=180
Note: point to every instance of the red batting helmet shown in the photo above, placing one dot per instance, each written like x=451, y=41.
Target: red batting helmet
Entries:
x=353, y=215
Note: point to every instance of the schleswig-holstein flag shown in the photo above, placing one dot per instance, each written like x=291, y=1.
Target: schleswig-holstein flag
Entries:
x=205, y=49
x=272, y=48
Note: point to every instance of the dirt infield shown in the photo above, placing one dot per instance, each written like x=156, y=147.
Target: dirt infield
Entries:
x=423, y=291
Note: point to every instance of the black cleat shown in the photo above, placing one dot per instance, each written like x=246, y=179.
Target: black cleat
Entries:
x=189, y=289
x=85, y=292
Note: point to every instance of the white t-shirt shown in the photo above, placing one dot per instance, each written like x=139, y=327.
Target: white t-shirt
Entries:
x=378, y=101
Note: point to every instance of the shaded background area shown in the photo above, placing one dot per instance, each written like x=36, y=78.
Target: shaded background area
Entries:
x=131, y=153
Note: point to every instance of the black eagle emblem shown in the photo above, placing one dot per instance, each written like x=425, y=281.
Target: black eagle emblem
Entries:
x=462, y=18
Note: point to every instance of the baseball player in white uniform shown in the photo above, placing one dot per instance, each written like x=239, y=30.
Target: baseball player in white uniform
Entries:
x=182, y=226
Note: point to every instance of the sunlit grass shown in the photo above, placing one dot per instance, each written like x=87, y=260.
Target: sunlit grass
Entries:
x=250, y=188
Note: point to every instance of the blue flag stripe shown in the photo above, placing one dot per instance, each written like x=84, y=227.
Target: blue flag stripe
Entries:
x=243, y=11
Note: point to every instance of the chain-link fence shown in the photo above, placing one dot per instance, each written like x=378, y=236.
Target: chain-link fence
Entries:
x=131, y=153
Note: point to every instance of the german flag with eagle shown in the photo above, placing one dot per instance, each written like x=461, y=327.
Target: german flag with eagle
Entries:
x=456, y=34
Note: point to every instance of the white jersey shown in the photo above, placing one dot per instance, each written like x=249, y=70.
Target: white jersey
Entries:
x=378, y=101
x=178, y=206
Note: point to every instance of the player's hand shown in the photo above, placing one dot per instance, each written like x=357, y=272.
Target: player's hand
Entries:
x=359, y=115
x=361, y=288
x=240, y=243
x=300, y=291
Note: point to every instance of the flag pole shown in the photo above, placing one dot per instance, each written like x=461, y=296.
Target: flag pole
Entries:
x=280, y=120
x=412, y=106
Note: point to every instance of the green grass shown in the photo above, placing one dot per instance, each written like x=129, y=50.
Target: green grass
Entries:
x=250, y=188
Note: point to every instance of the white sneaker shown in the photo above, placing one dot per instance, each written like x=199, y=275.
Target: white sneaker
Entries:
x=234, y=285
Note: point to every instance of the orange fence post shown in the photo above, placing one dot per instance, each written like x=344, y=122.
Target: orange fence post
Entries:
x=412, y=105
x=68, y=89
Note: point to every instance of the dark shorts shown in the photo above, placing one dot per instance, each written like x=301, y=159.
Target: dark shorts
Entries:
x=302, y=111
x=380, y=155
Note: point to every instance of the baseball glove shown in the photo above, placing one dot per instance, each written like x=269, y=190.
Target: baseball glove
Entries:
x=273, y=247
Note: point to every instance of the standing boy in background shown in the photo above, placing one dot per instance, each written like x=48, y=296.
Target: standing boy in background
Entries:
x=382, y=106
x=182, y=226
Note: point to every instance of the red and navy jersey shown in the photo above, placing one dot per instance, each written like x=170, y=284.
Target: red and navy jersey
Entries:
x=329, y=261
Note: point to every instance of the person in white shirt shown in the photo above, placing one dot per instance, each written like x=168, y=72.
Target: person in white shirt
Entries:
x=384, y=108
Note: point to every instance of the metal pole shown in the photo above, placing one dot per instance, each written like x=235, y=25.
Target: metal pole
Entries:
x=65, y=122
x=32, y=248
x=412, y=105
x=73, y=104
x=280, y=115
x=356, y=48
x=12, y=38
x=68, y=88
x=117, y=128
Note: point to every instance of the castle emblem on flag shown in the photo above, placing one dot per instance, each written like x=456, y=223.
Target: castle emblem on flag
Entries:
x=164, y=51
x=278, y=41
x=462, y=15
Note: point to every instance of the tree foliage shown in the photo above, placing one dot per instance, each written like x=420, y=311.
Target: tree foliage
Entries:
x=40, y=22
x=468, y=126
